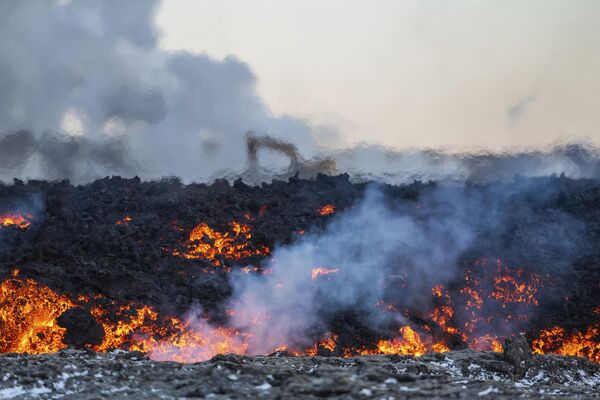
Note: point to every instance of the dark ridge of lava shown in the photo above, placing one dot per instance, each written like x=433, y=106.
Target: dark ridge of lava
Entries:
x=116, y=237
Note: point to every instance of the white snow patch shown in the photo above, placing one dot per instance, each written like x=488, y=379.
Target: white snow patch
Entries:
x=264, y=386
x=487, y=391
x=9, y=393
x=408, y=389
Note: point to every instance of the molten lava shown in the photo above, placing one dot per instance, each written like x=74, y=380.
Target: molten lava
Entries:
x=315, y=273
x=327, y=209
x=207, y=243
x=410, y=343
x=21, y=221
x=124, y=221
x=556, y=341
x=28, y=314
x=467, y=315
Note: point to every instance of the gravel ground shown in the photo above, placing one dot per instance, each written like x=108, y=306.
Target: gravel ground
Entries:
x=461, y=374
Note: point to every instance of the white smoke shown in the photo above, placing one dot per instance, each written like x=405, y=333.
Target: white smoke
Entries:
x=87, y=91
x=366, y=245
x=94, y=69
x=397, y=250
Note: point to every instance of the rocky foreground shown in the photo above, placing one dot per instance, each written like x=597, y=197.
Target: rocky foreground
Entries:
x=461, y=374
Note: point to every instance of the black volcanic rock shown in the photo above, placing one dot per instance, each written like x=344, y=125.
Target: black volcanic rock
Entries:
x=518, y=354
x=81, y=328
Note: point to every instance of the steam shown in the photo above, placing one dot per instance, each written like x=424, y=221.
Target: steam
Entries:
x=85, y=93
x=367, y=244
x=83, y=68
x=396, y=251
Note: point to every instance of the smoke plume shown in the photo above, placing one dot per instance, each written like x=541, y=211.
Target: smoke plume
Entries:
x=396, y=250
x=85, y=92
x=93, y=69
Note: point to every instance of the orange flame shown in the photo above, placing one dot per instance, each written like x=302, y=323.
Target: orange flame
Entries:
x=509, y=289
x=410, y=343
x=205, y=242
x=21, y=221
x=486, y=343
x=315, y=273
x=28, y=315
x=555, y=340
x=327, y=209
x=124, y=221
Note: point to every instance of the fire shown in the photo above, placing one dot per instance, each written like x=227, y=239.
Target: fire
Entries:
x=124, y=221
x=329, y=342
x=411, y=343
x=509, y=289
x=28, y=315
x=461, y=314
x=205, y=242
x=21, y=221
x=486, y=343
x=315, y=273
x=191, y=342
x=129, y=321
x=327, y=209
x=555, y=340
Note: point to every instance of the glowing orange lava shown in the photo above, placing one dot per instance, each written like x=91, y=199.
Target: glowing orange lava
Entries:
x=327, y=209
x=21, y=221
x=124, y=221
x=315, y=273
x=411, y=343
x=205, y=242
x=555, y=340
x=28, y=315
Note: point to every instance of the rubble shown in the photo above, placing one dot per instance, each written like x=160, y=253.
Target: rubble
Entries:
x=463, y=374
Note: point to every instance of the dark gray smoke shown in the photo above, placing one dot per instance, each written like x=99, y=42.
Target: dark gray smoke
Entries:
x=94, y=69
x=91, y=71
x=55, y=156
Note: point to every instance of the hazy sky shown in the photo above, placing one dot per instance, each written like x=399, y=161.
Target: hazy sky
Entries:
x=419, y=73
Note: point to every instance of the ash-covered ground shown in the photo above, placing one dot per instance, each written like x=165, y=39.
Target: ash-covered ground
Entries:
x=466, y=374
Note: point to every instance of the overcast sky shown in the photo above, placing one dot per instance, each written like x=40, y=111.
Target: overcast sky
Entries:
x=412, y=72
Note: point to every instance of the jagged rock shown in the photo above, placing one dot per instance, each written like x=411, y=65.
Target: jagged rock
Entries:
x=86, y=375
x=518, y=354
x=81, y=327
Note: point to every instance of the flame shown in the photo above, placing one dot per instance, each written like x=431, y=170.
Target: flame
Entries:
x=409, y=343
x=205, y=242
x=327, y=209
x=124, y=221
x=556, y=341
x=315, y=273
x=486, y=298
x=21, y=221
x=128, y=321
x=191, y=342
x=486, y=343
x=508, y=289
x=328, y=342
x=28, y=315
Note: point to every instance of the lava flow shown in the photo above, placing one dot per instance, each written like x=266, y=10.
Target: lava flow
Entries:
x=207, y=243
x=28, y=314
x=21, y=221
x=327, y=209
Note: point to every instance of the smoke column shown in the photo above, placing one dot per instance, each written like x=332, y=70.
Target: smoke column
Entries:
x=396, y=250
x=85, y=93
x=83, y=68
